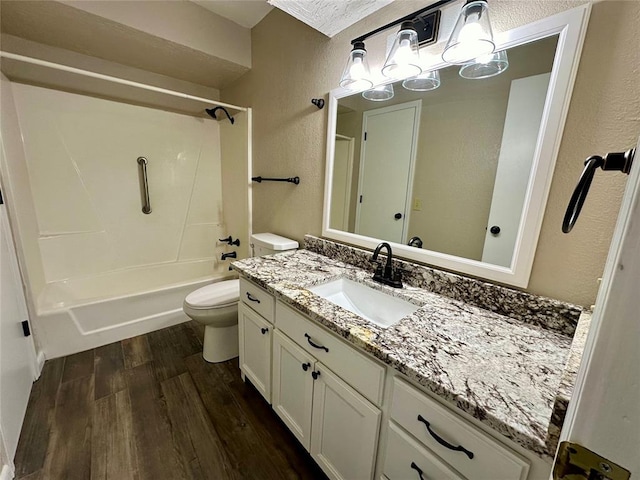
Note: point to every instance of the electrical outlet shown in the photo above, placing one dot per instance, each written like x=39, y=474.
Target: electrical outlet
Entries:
x=417, y=204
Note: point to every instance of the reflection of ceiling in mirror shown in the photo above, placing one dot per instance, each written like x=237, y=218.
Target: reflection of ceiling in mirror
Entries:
x=524, y=60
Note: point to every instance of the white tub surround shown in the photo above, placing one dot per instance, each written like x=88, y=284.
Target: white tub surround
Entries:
x=98, y=269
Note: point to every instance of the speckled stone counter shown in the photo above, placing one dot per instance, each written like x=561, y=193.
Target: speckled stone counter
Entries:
x=509, y=373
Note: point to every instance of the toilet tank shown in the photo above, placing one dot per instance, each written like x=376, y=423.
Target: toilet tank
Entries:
x=269, y=243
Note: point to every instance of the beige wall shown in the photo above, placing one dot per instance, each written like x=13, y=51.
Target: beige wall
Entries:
x=292, y=64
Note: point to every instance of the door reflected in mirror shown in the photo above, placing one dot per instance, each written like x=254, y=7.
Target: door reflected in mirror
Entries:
x=450, y=166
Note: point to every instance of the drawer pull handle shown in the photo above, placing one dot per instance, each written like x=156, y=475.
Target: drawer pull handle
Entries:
x=252, y=298
x=315, y=345
x=315, y=375
x=443, y=442
x=264, y=330
x=417, y=469
x=305, y=366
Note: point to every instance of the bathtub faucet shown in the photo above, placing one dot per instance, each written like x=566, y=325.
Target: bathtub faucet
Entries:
x=228, y=255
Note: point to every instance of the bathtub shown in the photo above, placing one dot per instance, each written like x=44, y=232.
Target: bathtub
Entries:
x=83, y=313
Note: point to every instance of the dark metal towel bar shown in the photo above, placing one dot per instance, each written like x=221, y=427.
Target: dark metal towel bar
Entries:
x=295, y=180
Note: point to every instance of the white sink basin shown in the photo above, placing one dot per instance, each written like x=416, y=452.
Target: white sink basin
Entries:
x=372, y=305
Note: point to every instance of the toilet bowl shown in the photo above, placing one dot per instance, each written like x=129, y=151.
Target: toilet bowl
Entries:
x=216, y=307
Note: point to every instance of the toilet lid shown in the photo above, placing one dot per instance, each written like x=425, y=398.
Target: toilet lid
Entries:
x=218, y=294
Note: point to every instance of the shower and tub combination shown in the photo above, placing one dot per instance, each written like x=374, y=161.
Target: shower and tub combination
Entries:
x=109, y=245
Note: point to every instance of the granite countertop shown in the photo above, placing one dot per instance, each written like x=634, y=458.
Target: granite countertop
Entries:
x=516, y=377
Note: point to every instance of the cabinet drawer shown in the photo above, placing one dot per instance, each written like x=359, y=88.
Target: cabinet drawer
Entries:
x=258, y=299
x=490, y=459
x=407, y=459
x=362, y=373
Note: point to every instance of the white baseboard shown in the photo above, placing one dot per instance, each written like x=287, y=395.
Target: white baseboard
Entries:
x=40, y=359
x=6, y=473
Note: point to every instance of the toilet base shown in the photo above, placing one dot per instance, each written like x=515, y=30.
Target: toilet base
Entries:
x=220, y=343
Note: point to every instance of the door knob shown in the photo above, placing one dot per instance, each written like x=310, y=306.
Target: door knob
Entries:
x=397, y=216
x=495, y=230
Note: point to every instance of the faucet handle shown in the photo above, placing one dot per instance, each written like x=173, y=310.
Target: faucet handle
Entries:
x=397, y=274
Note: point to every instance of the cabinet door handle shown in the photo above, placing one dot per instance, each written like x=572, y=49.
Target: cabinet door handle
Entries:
x=315, y=375
x=252, y=298
x=443, y=442
x=315, y=345
x=305, y=366
x=417, y=469
x=264, y=330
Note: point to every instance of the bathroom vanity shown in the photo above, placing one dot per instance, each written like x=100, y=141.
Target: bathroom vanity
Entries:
x=473, y=384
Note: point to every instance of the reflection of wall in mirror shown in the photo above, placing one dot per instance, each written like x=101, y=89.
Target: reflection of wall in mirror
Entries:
x=341, y=185
x=349, y=124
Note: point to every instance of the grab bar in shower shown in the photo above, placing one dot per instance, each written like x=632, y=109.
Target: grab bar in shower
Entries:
x=144, y=184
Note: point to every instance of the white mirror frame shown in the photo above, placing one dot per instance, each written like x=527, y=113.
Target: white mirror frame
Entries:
x=571, y=27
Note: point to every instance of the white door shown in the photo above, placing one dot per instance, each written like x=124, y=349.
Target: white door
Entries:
x=604, y=414
x=344, y=428
x=387, y=159
x=255, y=349
x=341, y=185
x=292, y=390
x=17, y=352
x=519, y=139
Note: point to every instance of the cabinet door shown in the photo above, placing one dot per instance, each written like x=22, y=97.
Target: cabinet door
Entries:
x=407, y=459
x=292, y=391
x=344, y=428
x=255, y=349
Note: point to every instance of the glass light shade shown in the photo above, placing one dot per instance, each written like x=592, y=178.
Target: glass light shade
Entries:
x=486, y=66
x=404, y=58
x=424, y=82
x=472, y=36
x=356, y=75
x=379, y=93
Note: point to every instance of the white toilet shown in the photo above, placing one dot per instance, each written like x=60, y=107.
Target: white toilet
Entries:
x=216, y=305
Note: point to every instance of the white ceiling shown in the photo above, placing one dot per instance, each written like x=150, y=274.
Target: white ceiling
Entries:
x=246, y=13
x=329, y=16
x=326, y=16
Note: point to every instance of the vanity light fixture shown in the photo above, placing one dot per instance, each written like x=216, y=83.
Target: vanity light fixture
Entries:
x=472, y=36
x=486, y=66
x=403, y=60
x=379, y=93
x=424, y=82
x=356, y=75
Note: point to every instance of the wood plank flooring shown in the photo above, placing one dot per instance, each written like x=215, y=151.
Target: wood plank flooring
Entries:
x=150, y=407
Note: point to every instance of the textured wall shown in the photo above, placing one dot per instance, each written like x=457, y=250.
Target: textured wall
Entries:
x=292, y=64
x=81, y=157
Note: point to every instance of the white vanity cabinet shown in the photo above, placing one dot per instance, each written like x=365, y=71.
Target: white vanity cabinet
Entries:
x=330, y=395
x=446, y=442
x=255, y=331
x=333, y=421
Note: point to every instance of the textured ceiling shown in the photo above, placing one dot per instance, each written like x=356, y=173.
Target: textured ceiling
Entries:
x=329, y=16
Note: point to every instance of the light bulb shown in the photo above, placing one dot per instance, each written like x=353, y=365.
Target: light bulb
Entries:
x=470, y=42
x=404, y=59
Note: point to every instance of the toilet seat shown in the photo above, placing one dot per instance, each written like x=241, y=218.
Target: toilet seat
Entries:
x=216, y=295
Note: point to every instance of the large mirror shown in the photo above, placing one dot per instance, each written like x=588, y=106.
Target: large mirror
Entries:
x=456, y=176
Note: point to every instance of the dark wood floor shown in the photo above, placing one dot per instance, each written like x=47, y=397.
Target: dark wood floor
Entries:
x=151, y=408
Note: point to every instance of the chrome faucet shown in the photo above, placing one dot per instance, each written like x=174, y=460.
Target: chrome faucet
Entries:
x=387, y=276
